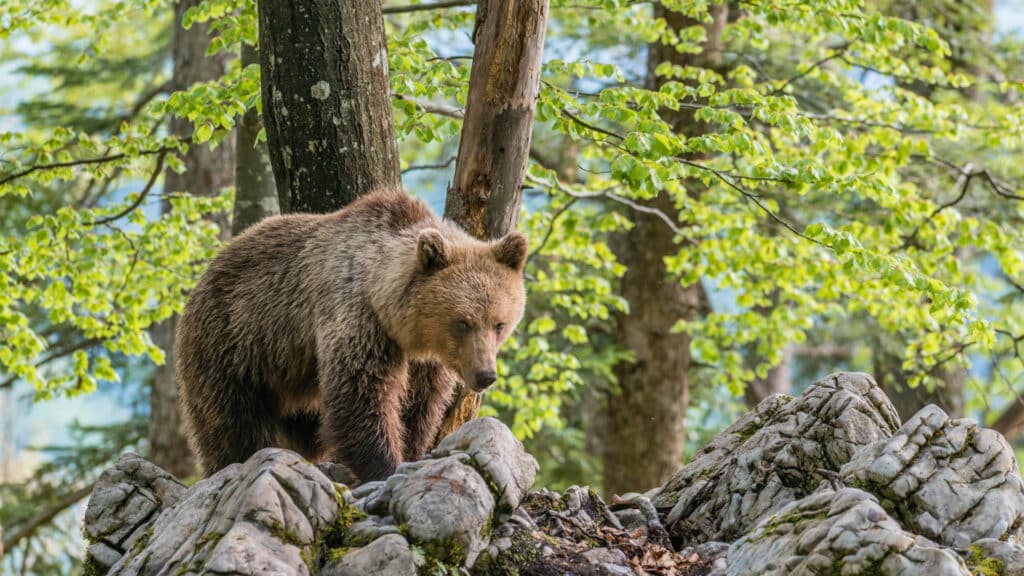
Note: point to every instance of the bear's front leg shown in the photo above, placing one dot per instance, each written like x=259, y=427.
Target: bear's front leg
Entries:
x=430, y=391
x=362, y=384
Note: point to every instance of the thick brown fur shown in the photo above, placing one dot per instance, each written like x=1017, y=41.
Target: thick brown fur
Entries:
x=341, y=336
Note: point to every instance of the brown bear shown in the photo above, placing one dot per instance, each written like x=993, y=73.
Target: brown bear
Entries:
x=342, y=335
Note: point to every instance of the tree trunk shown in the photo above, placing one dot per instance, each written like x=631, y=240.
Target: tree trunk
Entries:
x=207, y=172
x=326, y=101
x=486, y=191
x=255, y=193
x=646, y=417
x=1011, y=422
x=778, y=380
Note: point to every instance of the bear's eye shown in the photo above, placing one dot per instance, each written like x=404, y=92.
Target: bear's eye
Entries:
x=499, y=327
x=462, y=326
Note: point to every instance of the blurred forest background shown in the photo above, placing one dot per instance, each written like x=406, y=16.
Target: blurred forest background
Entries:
x=724, y=201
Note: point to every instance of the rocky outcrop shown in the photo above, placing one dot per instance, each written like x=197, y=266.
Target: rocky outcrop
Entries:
x=774, y=455
x=124, y=504
x=828, y=484
x=837, y=532
x=278, y=514
x=945, y=479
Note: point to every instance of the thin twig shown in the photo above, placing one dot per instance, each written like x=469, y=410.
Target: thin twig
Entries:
x=439, y=108
x=426, y=6
x=964, y=182
x=437, y=166
x=838, y=52
x=551, y=226
x=157, y=170
x=590, y=126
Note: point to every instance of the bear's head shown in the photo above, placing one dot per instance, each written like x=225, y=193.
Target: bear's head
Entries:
x=466, y=298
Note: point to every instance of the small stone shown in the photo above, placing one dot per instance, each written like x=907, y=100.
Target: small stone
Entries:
x=370, y=529
x=103, y=555
x=495, y=453
x=386, y=556
x=338, y=473
x=606, y=556
x=444, y=507
x=614, y=570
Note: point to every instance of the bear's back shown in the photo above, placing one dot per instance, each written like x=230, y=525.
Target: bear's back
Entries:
x=260, y=297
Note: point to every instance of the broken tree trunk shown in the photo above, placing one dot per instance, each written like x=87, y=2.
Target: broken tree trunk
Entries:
x=486, y=191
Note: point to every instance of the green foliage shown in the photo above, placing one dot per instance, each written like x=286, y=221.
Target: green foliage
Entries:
x=854, y=167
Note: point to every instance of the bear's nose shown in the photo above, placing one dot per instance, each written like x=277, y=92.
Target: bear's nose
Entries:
x=485, y=378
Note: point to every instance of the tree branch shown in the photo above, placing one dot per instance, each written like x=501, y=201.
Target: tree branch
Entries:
x=58, y=353
x=426, y=6
x=46, y=516
x=439, y=108
x=437, y=166
x=837, y=53
x=964, y=182
x=157, y=170
x=84, y=162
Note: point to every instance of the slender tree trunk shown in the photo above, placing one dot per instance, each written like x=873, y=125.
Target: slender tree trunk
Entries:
x=207, y=172
x=646, y=417
x=486, y=191
x=326, y=101
x=255, y=192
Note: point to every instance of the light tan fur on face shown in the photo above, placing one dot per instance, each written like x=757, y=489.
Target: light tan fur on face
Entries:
x=461, y=292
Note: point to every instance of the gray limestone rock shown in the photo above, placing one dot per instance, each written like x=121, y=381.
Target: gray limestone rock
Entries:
x=386, y=556
x=125, y=502
x=772, y=456
x=945, y=479
x=260, y=517
x=370, y=529
x=838, y=533
x=495, y=453
x=446, y=507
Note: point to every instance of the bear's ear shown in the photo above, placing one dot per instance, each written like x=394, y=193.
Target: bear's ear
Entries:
x=511, y=251
x=432, y=250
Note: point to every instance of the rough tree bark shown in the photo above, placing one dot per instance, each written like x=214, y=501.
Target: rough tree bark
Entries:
x=255, y=193
x=486, y=191
x=207, y=172
x=646, y=415
x=326, y=101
